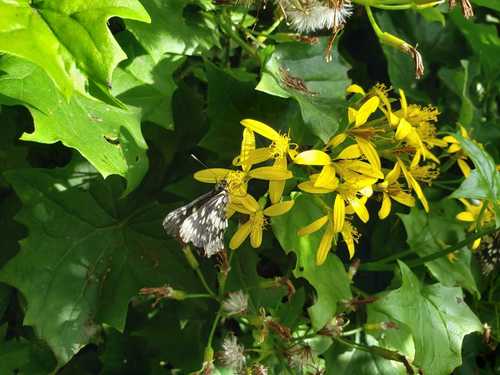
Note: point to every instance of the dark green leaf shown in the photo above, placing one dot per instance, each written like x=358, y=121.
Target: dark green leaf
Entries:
x=177, y=26
x=432, y=322
x=299, y=71
x=330, y=279
x=109, y=137
x=87, y=254
x=66, y=37
x=431, y=233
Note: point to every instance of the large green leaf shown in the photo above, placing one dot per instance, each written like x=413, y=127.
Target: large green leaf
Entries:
x=459, y=80
x=174, y=29
x=148, y=85
x=25, y=357
x=330, y=279
x=484, y=182
x=66, y=37
x=493, y=4
x=109, y=137
x=231, y=98
x=86, y=255
x=298, y=70
x=436, y=318
x=430, y=233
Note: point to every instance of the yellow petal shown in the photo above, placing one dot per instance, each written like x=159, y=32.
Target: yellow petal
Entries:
x=404, y=104
x=245, y=203
x=450, y=139
x=349, y=240
x=276, y=187
x=360, y=209
x=255, y=156
x=412, y=183
x=256, y=233
x=240, y=235
x=464, y=167
x=476, y=243
x=355, y=89
x=212, y=175
x=366, y=110
x=247, y=145
x=326, y=178
x=312, y=157
x=370, y=152
x=338, y=214
x=393, y=175
x=351, y=115
x=466, y=216
x=362, y=167
x=337, y=140
x=313, y=227
x=261, y=128
x=270, y=173
x=404, y=198
x=308, y=187
x=385, y=208
x=350, y=152
x=324, y=246
x=279, y=208
x=454, y=148
x=404, y=128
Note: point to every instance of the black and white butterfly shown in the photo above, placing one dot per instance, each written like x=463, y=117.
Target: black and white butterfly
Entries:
x=201, y=222
x=489, y=253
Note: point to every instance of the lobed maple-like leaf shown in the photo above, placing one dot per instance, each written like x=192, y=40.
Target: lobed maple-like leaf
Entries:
x=67, y=38
x=86, y=255
x=108, y=137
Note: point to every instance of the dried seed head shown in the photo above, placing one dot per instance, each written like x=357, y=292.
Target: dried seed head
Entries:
x=233, y=354
x=307, y=16
x=236, y=303
x=417, y=59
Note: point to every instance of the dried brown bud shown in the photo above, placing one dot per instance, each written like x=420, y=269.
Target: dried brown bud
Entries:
x=467, y=10
x=417, y=59
x=163, y=292
x=278, y=328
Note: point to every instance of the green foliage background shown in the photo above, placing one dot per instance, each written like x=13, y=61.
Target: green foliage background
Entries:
x=101, y=105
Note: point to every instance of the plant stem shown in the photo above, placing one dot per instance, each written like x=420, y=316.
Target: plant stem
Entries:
x=381, y=265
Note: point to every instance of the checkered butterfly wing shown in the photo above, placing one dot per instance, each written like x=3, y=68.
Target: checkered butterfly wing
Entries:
x=201, y=222
x=489, y=253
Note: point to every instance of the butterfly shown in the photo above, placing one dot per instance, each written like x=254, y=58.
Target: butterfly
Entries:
x=201, y=222
x=489, y=253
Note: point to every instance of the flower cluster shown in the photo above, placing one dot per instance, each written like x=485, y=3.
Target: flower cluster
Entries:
x=386, y=151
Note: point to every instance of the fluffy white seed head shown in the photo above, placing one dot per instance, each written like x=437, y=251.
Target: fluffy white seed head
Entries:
x=233, y=354
x=307, y=16
x=235, y=303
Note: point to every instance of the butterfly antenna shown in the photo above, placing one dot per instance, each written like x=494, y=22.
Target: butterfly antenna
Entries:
x=199, y=161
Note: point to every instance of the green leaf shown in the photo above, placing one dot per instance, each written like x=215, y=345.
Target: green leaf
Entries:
x=483, y=40
x=485, y=177
x=177, y=26
x=87, y=254
x=342, y=361
x=67, y=38
x=231, y=99
x=436, y=317
x=431, y=233
x=298, y=70
x=108, y=137
x=148, y=85
x=244, y=276
x=459, y=80
x=493, y=4
x=330, y=279
x=25, y=358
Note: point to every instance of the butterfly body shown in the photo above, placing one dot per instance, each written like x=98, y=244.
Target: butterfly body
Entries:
x=201, y=222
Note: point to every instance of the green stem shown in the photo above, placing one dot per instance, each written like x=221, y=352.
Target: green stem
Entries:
x=352, y=331
x=227, y=26
x=196, y=267
x=382, y=266
x=199, y=295
x=373, y=23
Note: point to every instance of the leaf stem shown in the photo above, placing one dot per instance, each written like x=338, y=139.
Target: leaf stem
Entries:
x=196, y=267
x=381, y=265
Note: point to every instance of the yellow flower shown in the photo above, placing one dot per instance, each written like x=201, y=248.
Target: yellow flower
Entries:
x=391, y=188
x=408, y=120
x=257, y=221
x=413, y=184
x=280, y=148
x=237, y=180
x=471, y=215
x=455, y=148
x=348, y=233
